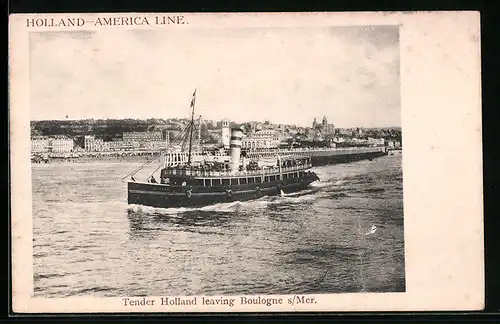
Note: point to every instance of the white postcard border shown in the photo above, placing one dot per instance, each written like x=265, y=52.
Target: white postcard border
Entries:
x=442, y=165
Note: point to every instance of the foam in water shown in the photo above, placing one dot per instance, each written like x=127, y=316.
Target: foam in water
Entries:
x=372, y=230
x=320, y=184
x=298, y=197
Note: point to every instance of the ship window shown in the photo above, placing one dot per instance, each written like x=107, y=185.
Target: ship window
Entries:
x=225, y=182
x=285, y=176
x=207, y=182
x=199, y=182
x=216, y=182
x=258, y=180
x=251, y=180
x=301, y=173
x=234, y=182
x=272, y=178
x=243, y=181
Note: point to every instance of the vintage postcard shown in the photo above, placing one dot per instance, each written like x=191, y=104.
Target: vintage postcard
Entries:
x=256, y=162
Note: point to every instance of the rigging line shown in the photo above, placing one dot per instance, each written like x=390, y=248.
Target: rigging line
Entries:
x=159, y=166
x=186, y=136
x=184, y=141
x=179, y=134
x=139, y=168
x=155, y=156
x=183, y=134
x=176, y=139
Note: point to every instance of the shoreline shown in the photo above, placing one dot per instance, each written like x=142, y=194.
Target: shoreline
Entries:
x=108, y=159
x=140, y=158
x=124, y=159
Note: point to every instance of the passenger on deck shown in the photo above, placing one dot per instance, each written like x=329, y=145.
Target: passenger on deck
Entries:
x=153, y=180
x=132, y=179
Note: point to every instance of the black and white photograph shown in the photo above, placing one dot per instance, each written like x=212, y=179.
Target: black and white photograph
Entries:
x=191, y=163
x=198, y=162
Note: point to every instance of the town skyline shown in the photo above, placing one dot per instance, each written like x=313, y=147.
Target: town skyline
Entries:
x=242, y=121
x=349, y=74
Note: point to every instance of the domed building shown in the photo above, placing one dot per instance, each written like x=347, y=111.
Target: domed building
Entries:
x=324, y=128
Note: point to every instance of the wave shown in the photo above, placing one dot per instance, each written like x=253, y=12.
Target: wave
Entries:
x=368, y=190
x=47, y=276
x=339, y=195
x=92, y=290
x=221, y=207
x=328, y=183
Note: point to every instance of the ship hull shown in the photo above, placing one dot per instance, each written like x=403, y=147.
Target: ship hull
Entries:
x=164, y=196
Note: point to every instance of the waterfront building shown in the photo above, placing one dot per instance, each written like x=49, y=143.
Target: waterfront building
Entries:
x=150, y=140
x=56, y=144
x=262, y=139
x=93, y=144
x=40, y=144
x=393, y=143
x=143, y=137
x=62, y=144
x=376, y=141
x=131, y=141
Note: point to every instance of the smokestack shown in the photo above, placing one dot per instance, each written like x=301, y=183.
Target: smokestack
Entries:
x=236, y=135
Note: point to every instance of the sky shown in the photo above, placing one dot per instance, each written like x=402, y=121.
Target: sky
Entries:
x=286, y=75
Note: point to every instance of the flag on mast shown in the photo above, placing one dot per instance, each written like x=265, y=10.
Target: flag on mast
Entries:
x=194, y=97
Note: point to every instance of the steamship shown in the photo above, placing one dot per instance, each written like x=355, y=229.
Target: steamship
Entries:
x=206, y=182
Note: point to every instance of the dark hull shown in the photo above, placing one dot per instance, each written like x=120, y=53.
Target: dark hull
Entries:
x=163, y=196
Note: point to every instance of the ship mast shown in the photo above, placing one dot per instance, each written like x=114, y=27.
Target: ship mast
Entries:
x=191, y=128
x=199, y=131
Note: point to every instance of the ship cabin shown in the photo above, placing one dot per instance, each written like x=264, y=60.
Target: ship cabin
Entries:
x=213, y=174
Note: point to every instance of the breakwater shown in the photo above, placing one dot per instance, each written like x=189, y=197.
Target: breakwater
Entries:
x=325, y=156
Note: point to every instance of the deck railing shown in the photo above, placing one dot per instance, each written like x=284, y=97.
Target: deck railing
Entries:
x=266, y=171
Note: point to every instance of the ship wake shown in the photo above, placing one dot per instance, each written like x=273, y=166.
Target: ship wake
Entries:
x=235, y=206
